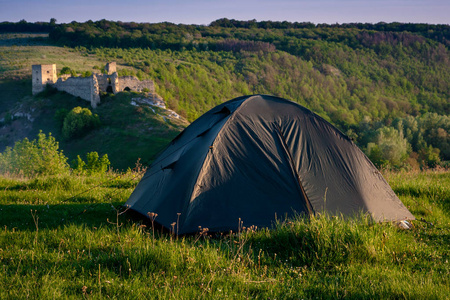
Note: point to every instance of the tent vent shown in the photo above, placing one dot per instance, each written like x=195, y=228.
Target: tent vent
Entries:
x=225, y=110
x=170, y=166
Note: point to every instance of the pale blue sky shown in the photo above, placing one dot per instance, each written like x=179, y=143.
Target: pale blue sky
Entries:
x=206, y=11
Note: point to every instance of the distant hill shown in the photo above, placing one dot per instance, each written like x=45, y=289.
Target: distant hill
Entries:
x=364, y=78
x=402, y=67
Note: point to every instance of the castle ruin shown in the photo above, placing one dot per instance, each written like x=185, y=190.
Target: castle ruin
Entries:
x=41, y=75
x=88, y=88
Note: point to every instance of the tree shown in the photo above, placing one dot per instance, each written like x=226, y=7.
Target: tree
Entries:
x=36, y=157
x=390, y=148
x=78, y=122
x=429, y=157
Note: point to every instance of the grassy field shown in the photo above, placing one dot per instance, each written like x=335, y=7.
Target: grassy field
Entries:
x=63, y=237
x=19, y=51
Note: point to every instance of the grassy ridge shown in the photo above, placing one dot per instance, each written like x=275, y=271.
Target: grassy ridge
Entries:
x=52, y=245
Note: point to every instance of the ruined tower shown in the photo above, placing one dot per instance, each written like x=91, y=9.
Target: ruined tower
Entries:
x=41, y=76
x=111, y=68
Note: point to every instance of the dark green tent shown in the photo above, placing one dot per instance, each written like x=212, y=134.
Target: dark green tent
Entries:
x=258, y=157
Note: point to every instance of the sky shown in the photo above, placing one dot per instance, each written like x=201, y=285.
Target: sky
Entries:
x=203, y=12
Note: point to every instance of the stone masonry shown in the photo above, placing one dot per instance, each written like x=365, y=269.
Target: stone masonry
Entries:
x=41, y=75
x=85, y=88
x=88, y=88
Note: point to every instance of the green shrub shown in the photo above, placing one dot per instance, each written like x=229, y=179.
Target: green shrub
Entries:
x=86, y=74
x=78, y=165
x=94, y=165
x=36, y=157
x=389, y=149
x=65, y=71
x=429, y=157
x=78, y=122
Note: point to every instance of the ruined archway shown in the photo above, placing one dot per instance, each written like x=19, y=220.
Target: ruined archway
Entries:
x=109, y=89
x=127, y=89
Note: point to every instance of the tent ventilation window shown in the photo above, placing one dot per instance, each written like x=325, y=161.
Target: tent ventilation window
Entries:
x=169, y=166
x=225, y=110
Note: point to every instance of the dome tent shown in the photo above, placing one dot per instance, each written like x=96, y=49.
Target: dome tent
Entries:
x=257, y=157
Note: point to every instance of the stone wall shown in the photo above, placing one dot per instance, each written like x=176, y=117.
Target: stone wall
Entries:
x=103, y=82
x=134, y=84
x=86, y=88
x=115, y=82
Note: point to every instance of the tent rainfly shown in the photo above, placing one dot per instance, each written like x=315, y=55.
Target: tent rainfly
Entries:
x=258, y=157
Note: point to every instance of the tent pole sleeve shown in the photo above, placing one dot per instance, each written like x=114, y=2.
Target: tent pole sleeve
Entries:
x=294, y=169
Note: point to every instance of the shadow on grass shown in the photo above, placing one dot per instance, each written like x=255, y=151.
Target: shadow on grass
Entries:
x=20, y=217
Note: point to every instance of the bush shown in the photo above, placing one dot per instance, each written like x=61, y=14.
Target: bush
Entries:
x=429, y=157
x=78, y=122
x=36, y=157
x=65, y=71
x=389, y=149
x=94, y=165
x=78, y=166
x=86, y=74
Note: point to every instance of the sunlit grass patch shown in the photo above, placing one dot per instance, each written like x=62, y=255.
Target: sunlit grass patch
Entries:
x=67, y=238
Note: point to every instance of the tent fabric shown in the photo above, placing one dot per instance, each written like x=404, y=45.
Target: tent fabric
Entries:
x=258, y=158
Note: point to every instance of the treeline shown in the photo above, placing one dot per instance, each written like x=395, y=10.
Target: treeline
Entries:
x=440, y=32
x=175, y=37
x=410, y=141
x=120, y=33
x=24, y=26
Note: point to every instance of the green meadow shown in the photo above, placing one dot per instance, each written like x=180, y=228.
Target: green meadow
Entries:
x=68, y=237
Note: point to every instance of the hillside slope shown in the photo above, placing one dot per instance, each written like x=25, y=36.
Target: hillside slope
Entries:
x=386, y=86
x=130, y=127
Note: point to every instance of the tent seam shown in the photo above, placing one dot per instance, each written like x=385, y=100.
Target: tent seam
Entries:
x=186, y=208
x=291, y=163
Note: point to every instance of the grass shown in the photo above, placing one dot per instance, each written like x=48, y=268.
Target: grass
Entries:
x=18, y=52
x=57, y=242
